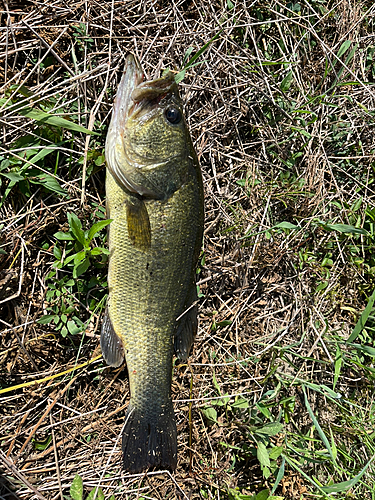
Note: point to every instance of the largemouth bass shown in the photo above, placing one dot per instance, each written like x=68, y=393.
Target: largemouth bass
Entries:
x=155, y=200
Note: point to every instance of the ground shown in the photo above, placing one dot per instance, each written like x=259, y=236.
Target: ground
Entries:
x=276, y=399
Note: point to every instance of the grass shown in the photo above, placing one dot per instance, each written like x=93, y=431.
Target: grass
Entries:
x=276, y=400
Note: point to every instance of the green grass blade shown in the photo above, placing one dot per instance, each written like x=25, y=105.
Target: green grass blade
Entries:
x=343, y=228
x=362, y=319
x=338, y=365
x=279, y=476
x=344, y=47
x=345, y=485
x=180, y=76
x=294, y=464
x=45, y=152
x=370, y=351
x=323, y=437
x=57, y=121
x=202, y=49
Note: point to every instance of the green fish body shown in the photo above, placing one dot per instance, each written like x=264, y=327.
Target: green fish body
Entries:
x=155, y=200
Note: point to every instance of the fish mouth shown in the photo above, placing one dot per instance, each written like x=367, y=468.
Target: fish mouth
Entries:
x=151, y=93
x=135, y=95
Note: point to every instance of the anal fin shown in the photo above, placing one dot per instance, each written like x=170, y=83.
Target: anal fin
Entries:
x=110, y=343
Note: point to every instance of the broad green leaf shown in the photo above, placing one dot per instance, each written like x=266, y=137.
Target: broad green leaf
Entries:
x=48, y=182
x=240, y=403
x=60, y=235
x=54, y=120
x=357, y=204
x=181, y=75
x=270, y=429
x=76, y=488
x=47, y=318
x=210, y=413
x=262, y=455
x=100, y=160
x=99, y=495
x=57, y=252
x=275, y=452
x=76, y=228
x=21, y=90
x=286, y=225
x=82, y=268
x=73, y=328
x=363, y=318
x=69, y=259
x=302, y=132
x=97, y=227
x=14, y=176
x=344, y=228
x=225, y=322
x=262, y=495
x=344, y=47
x=263, y=409
x=42, y=153
x=79, y=256
x=234, y=494
x=285, y=84
x=5, y=163
x=322, y=285
x=99, y=251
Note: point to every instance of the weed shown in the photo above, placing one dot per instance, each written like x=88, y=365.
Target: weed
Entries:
x=76, y=491
x=74, y=255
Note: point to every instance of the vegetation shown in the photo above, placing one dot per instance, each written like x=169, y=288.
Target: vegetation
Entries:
x=276, y=401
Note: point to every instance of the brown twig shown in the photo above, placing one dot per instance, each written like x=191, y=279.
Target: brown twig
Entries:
x=13, y=470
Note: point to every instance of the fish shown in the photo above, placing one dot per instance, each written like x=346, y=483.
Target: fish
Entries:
x=155, y=200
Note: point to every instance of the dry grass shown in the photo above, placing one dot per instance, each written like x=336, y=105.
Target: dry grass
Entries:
x=280, y=142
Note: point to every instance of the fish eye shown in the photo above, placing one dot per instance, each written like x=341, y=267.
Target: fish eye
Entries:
x=173, y=115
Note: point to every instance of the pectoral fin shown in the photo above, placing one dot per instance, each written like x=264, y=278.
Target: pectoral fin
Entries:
x=187, y=327
x=139, y=228
x=110, y=343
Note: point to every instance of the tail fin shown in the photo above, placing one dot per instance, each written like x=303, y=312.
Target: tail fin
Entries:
x=150, y=439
